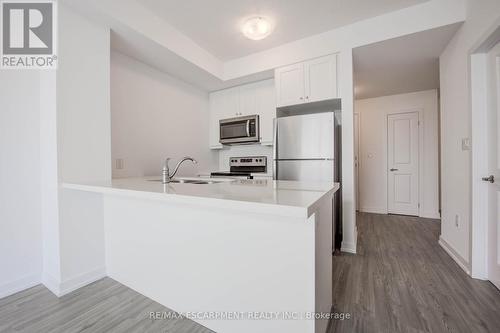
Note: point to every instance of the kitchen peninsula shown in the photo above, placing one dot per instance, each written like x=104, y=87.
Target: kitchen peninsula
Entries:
x=223, y=247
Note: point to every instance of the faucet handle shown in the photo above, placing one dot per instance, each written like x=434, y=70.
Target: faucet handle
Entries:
x=166, y=169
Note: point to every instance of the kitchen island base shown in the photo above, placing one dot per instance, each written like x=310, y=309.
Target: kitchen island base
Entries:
x=240, y=256
x=212, y=264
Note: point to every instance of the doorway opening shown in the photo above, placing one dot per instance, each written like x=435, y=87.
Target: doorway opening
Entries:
x=396, y=124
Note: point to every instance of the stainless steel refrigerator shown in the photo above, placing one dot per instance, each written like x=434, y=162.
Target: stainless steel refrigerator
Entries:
x=307, y=147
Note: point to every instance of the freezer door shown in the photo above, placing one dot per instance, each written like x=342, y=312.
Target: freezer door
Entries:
x=305, y=136
x=305, y=170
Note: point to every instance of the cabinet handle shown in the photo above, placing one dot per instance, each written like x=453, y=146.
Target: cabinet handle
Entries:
x=301, y=97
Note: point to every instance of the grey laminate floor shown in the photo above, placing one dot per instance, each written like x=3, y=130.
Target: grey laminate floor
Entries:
x=103, y=306
x=402, y=281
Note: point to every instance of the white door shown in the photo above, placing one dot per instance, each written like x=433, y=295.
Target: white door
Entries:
x=493, y=186
x=356, y=157
x=320, y=78
x=290, y=85
x=402, y=153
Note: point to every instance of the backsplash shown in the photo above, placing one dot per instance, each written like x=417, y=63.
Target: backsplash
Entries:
x=245, y=150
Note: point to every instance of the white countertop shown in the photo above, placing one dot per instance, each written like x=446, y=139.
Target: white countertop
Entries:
x=286, y=198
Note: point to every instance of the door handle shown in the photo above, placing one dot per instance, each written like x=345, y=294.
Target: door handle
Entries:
x=490, y=179
x=393, y=169
x=248, y=127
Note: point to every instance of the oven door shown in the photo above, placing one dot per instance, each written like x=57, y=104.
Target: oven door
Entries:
x=239, y=130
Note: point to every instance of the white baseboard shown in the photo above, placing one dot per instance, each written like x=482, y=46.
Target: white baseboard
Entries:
x=430, y=215
x=82, y=280
x=374, y=210
x=21, y=284
x=454, y=255
x=51, y=283
x=65, y=287
x=348, y=247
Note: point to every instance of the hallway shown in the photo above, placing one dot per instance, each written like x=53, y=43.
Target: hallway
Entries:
x=403, y=281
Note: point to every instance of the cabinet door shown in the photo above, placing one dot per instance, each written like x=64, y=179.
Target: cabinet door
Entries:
x=231, y=104
x=248, y=99
x=290, y=85
x=266, y=109
x=223, y=104
x=216, y=105
x=320, y=78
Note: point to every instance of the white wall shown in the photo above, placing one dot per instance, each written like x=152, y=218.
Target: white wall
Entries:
x=51, y=271
x=155, y=116
x=83, y=99
x=82, y=122
x=373, y=149
x=455, y=125
x=20, y=208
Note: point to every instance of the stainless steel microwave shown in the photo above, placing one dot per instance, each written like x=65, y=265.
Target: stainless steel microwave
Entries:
x=239, y=130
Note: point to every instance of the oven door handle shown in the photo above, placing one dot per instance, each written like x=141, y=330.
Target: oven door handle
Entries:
x=248, y=128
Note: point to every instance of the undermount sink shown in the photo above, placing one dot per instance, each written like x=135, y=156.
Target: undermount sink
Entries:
x=187, y=181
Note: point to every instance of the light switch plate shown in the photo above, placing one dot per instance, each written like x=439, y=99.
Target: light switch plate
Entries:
x=466, y=144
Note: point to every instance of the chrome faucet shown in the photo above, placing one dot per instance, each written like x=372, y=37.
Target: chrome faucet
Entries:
x=166, y=176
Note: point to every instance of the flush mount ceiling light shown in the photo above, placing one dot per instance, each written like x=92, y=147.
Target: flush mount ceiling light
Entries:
x=257, y=28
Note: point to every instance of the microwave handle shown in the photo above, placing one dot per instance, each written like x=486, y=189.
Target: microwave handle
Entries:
x=248, y=127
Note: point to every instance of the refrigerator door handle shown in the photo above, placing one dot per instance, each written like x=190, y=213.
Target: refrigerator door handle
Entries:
x=275, y=149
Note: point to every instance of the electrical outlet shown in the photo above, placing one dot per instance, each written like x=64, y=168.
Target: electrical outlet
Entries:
x=457, y=220
x=119, y=163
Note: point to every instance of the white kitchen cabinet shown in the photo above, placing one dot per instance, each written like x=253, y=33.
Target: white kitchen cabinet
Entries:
x=249, y=99
x=290, y=84
x=310, y=81
x=223, y=104
x=320, y=79
x=266, y=109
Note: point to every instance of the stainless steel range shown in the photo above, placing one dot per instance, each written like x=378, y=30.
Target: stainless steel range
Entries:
x=243, y=167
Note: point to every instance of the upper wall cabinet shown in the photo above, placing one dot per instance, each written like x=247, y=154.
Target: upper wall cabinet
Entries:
x=254, y=98
x=223, y=104
x=290, y=84
x=309, y=81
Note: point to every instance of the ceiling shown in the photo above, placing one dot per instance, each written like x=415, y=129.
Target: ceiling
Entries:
x=400, y=65
x=215, y=25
